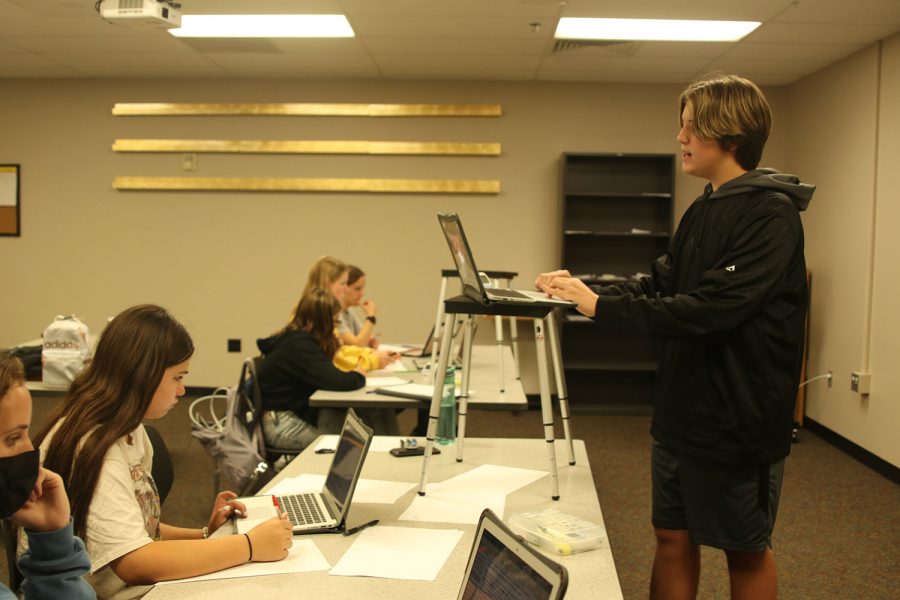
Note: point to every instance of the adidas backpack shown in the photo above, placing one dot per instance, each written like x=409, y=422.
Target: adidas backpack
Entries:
x=66, y=350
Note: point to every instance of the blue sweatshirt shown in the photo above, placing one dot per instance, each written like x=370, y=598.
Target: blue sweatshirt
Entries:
x=53, y=567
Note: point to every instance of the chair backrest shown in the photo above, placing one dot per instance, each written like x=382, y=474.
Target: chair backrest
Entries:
x=162, y=470
x=254, y=399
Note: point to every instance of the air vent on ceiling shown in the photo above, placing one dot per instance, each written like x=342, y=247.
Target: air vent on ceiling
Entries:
x=616, y=48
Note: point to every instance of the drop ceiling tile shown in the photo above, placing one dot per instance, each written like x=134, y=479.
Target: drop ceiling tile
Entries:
x=865, y=12
x=456, y=45
x=758, y=10
x=808, y=33
x=436, y=8
x=448, y=27
x=811, y=52
x=653, y=76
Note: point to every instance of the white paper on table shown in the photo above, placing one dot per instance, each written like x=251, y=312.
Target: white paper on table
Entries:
x=449, y=507
x=397, y=366
x=259, y=509
x=374, y=382
x=380, y=443
x=303, y=556
x=489, y=479
x=328, y=442
x=396, y=553
x=393, y=347
x=370, y=491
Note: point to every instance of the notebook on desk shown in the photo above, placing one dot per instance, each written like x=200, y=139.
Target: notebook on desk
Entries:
x=477, y=285
x=503, y=566
x=325, y=511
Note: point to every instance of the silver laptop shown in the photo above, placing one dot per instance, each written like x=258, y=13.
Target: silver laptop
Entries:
x=325, y=511
x=477, y=285
x=502, y=566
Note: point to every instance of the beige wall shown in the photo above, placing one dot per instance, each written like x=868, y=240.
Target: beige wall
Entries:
x=232, y=264
x=843, y=126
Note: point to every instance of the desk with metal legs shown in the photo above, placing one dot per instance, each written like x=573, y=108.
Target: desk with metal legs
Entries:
x=592, y=575
x=544, y=324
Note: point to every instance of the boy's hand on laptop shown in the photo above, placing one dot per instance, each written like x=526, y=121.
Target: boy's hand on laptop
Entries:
x=224, y=508
x=271, y=539
x=544, y=278
x=574, y=290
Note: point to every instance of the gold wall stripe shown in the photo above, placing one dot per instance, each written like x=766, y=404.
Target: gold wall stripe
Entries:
x=308, y=147
x=311, y=110
x=269, y=184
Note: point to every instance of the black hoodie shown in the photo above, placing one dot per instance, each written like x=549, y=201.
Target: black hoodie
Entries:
x=729, y=301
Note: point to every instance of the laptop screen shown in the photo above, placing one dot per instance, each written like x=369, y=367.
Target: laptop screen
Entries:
x=347, y=462
x=502, y=567
x=462, y=254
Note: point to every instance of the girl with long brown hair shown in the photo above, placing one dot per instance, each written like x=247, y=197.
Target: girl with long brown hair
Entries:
x=95, y=441
x=297, y=362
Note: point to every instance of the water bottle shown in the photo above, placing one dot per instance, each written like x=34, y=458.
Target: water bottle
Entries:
x=446, y=431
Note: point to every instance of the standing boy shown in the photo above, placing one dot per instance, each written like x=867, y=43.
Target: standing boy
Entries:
x=729, y=301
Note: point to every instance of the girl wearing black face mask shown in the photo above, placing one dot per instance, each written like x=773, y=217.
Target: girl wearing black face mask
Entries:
x=35, y=499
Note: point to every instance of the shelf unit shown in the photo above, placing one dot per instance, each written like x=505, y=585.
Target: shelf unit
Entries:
x=617, y=218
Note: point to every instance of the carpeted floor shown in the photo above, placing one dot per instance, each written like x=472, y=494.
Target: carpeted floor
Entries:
x=837, y=535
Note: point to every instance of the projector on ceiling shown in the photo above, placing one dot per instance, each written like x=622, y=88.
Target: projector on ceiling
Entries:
x=141, y=14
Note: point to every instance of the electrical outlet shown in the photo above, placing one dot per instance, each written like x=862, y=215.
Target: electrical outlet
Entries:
x=860, y=382
x=234, y=345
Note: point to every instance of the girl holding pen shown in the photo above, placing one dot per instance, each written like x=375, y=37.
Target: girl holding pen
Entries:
x=95, y=441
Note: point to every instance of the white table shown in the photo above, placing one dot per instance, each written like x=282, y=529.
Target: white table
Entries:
x=484, y=387
x=592, y=574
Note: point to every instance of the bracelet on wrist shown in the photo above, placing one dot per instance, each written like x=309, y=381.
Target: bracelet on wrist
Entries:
x=250, y=545
x=205, y=532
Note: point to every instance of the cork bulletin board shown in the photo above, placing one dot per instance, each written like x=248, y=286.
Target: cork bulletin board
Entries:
x=9, y=200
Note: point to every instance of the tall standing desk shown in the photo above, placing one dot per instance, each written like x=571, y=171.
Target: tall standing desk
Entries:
x=592, y=575
x=544, y=325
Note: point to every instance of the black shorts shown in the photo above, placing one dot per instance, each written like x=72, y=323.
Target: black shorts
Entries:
x=725, y=506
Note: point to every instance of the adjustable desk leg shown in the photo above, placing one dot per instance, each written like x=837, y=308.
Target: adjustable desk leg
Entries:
x=560, y=383
x=436, y=402
x=464, y=392
x=514, y=340
x=438, y=324
x=546, y=406
x=498, y=336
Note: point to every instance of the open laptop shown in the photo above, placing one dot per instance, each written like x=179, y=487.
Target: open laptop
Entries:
x=424, y=351
x=477, y=285
x=502, y=566
x=325, y=511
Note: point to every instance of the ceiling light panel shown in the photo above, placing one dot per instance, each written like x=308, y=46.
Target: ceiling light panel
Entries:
x=264, y=26
x=670, y=30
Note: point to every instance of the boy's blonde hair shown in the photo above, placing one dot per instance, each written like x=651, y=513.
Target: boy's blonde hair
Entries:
x=732, y=111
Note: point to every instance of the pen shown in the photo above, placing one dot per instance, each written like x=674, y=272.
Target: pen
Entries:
x=277, y=505
x=325, y=451
x=353, y=530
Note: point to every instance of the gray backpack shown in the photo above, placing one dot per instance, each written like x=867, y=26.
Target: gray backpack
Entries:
x=227, y=425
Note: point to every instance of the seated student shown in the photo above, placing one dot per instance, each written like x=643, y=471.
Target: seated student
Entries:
x=95, y=441
x=352, y=331
x=329, y=273
x=35, y=499
x=298, y=360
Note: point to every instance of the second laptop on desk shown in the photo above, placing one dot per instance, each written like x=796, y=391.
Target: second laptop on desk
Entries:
x=325, y=511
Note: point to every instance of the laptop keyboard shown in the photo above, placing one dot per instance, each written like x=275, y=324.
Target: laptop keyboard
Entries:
x=303, y=509
x=504, y=293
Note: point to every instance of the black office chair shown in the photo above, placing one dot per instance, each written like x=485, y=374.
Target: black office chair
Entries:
x=162, y=471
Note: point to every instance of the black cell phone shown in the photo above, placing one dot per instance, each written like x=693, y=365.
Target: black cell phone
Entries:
x=414, y=451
